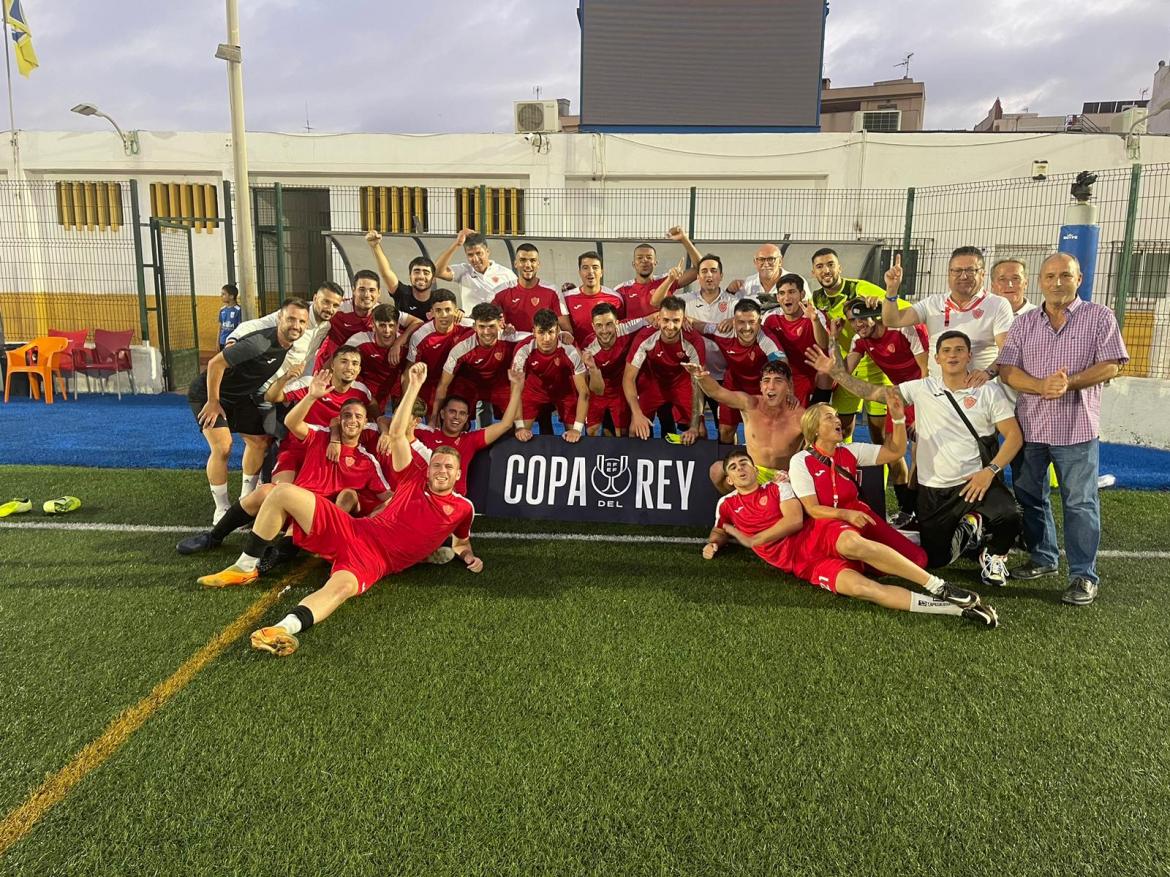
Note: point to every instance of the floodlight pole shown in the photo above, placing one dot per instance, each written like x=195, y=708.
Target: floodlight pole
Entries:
x=231, y=53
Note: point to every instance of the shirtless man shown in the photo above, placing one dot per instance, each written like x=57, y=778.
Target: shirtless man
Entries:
x=771, y=420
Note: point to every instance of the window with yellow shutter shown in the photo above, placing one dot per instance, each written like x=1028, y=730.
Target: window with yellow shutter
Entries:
x=394, y=209
x=502, y=209
x=89, y=205
x=195, y=205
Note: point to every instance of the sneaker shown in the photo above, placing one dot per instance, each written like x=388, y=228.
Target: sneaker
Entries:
x=61, y=505
x=993, y=568
x=1106, y=481
x=275, y=640
x=1081, y=592
x=198, y=542
x=983, y=614
x=969, y=532
x=441, y=555
x=229, y=577
x=903, y=520
x=15, y=507
x=1033, y=571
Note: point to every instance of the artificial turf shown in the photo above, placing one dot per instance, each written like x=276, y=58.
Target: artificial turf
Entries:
x=576, y=709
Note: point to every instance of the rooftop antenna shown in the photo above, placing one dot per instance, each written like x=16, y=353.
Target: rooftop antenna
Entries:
x=308, y=127
x=905, y=63
x=1145, y=91
x=536, y=90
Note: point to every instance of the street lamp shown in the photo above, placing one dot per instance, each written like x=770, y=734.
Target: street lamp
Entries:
x=129, y=140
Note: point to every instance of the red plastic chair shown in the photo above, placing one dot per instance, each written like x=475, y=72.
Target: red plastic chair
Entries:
x=109, y=356
x=65, y=363
x=37, y=358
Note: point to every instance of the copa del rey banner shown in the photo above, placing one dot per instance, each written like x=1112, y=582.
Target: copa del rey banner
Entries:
x=616, y=480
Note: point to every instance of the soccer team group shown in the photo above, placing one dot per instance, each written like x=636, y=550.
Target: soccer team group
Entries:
x=972, y=380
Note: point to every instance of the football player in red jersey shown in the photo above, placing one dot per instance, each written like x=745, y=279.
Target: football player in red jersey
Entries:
x=580, y=302
x=382, y=355
x=744, y=349
x=554, y=379
x=432, y=343
x=521, y=302
x=355, y=478
x=655, y=377
x=645, y=292
x=797, y=326
x=769, y=519
x=477, y=367
x=423, y=512
x=605, y=363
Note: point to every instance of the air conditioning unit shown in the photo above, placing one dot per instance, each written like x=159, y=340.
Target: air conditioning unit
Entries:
x=877, y=120
x=537, y=116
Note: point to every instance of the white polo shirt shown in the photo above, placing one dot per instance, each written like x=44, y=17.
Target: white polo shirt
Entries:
x=981, y=319
x=715, y=311
x=947, y=452
x=477, y=288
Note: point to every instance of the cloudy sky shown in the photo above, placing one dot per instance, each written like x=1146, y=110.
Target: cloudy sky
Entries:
x=457, y=65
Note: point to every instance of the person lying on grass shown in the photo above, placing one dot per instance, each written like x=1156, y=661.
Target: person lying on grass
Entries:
x=827, y=552
x=423, y=512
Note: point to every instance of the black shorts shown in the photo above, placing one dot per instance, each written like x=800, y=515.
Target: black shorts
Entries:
x=243, y=417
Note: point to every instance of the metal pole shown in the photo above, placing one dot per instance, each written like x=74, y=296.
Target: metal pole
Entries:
x=229, y=236
x=240, y=160
x=907, y=232
x=278, y=197
x=1123, y=265
x=694, y=203
x=136, y=227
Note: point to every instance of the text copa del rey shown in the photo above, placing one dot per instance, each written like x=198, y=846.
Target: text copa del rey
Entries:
x=657, y=484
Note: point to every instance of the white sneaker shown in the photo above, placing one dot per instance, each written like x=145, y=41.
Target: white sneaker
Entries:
x=993, y=568
x=1106, y=481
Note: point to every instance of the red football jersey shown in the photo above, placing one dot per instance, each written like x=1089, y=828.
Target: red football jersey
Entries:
x=894, y=352
x=520, y=304
x=637, y=295
x=468, y=444
x=356, y=469
x=612, y=362
x=416, y=521
x=794, y=337
x=429, y=346
x=551, y=373
x=382, y=378
x=661, y=362
x=579, y=307
x=485, y=367
x=329, y=405
x=744, y=362
x=754, y=512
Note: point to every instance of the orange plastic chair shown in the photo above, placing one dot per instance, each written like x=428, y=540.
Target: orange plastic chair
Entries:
x=38, y=357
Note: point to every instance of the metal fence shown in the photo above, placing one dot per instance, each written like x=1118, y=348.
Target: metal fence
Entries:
x=67, y=255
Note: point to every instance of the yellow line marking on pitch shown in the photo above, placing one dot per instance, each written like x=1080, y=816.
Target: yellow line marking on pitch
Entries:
x=52, y=791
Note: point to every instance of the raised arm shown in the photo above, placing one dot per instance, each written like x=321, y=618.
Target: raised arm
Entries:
x=374, y=239
x=894, y=447
x=596, y=378
x=732, y=398
x=400, y=453
x=835, y=368
x=673, y=277
x=893, y=316
x=686, y=277
x=319, y=385
x=275, y=391
x=443, y=262
x=504, y=425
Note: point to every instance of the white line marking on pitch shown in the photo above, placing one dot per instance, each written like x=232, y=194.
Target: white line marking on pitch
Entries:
x=531, y=537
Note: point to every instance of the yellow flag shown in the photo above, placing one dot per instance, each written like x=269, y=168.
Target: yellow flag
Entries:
x=22, y=47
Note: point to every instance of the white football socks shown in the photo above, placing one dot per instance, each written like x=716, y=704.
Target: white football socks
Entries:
x=932, y=605
x=291, y=624
x=248, y=483
x=219, y=492
x=246, y=562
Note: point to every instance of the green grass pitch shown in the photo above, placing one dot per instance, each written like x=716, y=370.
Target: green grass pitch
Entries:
x=578, y=708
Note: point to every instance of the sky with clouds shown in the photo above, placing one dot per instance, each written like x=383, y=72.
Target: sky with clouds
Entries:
x=456, y=65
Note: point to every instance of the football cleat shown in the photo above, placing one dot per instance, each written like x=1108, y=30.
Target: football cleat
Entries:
x=15, y=507
x=198, y=542
x=960, y=597
x=441, y=555
x=275, y=640
x=983, y=614
x=993, y=569
x=228, y=578
x=61, y=505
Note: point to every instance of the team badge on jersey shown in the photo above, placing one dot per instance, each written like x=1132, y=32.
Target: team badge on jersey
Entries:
x=890, y=349
x=499, y=355
x=535, y=301
x=969, y=402
x=448, y=509
x=978, y=313
x=763, y=499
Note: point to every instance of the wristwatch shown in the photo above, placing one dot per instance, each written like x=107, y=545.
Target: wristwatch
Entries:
x=995, y=470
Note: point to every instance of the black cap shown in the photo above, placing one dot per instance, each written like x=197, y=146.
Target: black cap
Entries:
x=857, y=309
